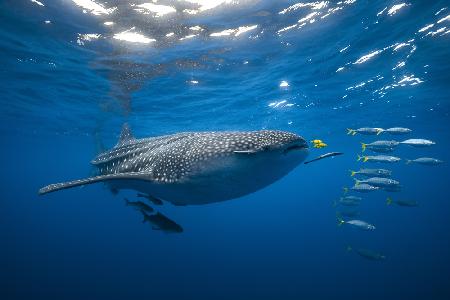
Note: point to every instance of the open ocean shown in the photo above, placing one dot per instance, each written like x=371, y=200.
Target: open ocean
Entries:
x=73, y=71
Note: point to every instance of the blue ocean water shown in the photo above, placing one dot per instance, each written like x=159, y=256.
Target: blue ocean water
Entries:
x=72, y=72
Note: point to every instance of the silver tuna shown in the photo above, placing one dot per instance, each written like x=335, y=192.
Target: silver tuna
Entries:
x=365, y=131
x=372, y=173
x=418, y=142
x=398, y=130
x=357, y=223
x=379, y=158
x=428, y=161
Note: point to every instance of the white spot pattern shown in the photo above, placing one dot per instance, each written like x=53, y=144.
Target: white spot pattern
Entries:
x=170, y=158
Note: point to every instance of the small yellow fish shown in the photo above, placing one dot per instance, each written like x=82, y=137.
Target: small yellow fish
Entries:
x=318, y=144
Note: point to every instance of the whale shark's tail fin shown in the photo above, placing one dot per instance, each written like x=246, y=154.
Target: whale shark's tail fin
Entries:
x=80, y=182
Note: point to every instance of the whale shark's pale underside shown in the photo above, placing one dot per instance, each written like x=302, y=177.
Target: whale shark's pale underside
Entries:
x=196, y=167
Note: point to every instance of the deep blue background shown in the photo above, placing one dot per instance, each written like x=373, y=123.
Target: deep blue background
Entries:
x=281, y=242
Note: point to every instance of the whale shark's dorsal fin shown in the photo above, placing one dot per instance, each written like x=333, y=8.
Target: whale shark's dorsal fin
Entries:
x=125, y=135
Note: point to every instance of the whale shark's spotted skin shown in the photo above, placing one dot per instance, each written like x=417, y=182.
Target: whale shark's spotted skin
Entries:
x=177, y=159
x=170, y=158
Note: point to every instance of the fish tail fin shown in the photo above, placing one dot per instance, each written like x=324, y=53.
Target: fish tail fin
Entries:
x=345, y=190
x=379, y=131
x=363, y=146
x=408, y=161
x=155, y=200
x=388, y=201
x=362, y=158
x=352, y=173
x=357, y=182
x=340, y=221
x=145, y=220
x=349, y=248
x=351, y=131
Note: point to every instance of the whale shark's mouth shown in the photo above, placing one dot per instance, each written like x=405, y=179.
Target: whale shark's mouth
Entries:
x=296, y=147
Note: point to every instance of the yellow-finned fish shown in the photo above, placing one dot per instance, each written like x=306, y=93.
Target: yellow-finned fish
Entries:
x=318, y=144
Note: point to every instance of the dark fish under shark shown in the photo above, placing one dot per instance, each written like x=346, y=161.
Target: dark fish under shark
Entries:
x=150, y=198
x=196, y=167
x=139, y=205
x=161, y=222
x=157, y=219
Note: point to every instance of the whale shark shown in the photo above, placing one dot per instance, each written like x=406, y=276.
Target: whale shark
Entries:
x=194, y=168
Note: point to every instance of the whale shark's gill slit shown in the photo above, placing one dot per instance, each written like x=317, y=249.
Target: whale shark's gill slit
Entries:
x=245, y=151
x=80, y=182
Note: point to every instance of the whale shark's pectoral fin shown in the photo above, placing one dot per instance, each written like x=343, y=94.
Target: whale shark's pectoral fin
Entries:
x=101, y=178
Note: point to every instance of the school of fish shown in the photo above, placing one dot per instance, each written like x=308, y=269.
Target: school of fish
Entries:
x=374, y=179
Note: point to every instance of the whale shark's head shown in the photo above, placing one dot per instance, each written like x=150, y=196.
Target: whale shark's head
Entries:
x=281, y=142
x=233, y=164
x=276, y=151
